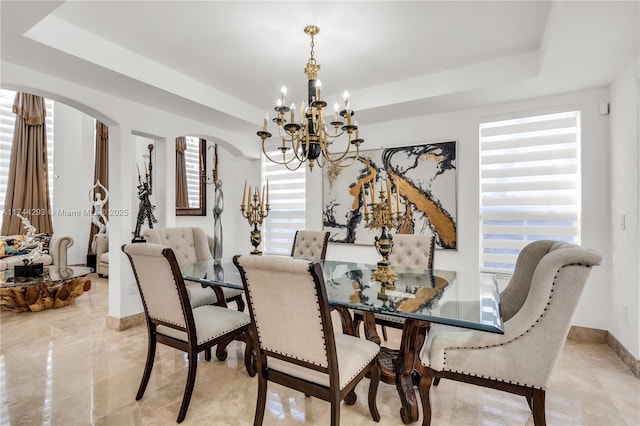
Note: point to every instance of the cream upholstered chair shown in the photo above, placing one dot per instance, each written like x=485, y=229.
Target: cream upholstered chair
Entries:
x=102, y=254
x=172, y=321
x=538, y=307
x=192, y=245
x=310, y=244
x=294, y=337
x=410, y=250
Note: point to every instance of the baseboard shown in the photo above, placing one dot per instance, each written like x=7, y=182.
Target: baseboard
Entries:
x=120, y=324
x=594, y=335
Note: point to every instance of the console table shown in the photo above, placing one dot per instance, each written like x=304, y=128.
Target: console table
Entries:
x=59, y=286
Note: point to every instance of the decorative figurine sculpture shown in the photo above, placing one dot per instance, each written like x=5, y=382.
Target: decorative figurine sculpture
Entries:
x=98, y=217
x=218, y=207
x=36, y=249
x=145, y=208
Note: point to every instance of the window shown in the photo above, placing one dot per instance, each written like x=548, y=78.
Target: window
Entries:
x=7, y=124
x=530, y=185
x=287, y=202
x=192, y=164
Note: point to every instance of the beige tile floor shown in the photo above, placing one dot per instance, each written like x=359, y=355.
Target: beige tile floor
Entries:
x=64, y=367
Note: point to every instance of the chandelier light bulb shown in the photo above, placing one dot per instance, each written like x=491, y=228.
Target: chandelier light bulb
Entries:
x=279, y=103
x=336, y=108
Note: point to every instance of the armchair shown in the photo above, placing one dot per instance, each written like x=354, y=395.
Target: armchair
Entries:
x=539, y=304
x=102, y=254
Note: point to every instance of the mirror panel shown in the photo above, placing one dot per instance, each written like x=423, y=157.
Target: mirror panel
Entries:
x=190, y=171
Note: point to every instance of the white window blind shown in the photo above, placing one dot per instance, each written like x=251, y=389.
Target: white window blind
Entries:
x=7, y=123
x=192, y=164
x=287, y=202
x=530, y=185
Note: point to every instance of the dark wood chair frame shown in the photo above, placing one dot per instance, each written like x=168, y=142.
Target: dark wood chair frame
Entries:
x=332, y=394
x=535, y=396
x=191, y=347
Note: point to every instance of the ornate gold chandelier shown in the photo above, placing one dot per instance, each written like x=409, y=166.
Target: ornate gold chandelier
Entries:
x=308, y=135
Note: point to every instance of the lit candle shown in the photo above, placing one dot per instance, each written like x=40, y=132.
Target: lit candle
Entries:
x=345, y=97
x=262, y=199
x=388, y=193
x=364, y=201
x=293, y=113
x=318, y=88
x=244, y=191
x=357, y=132
x=267, y=193
x=249, y=197
x=397, y=195
x=284, y=93
x=336, y=107
x=264, y=126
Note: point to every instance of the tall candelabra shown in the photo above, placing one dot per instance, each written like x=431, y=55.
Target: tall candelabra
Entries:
x=257, y=208
x=383, y=216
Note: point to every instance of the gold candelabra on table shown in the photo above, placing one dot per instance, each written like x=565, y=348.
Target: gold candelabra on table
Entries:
x=383, y=216
x=257, y=208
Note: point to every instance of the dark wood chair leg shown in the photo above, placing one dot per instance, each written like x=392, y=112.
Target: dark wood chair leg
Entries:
x=384, y=332
x=374, y=381
x=151, y=354
x=424, y=387
x=207, y=354
x=188, y=389
x=262, y=400
x=335, y=409
x=538, y=407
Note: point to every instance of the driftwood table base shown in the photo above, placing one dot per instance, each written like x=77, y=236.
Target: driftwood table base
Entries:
x=38, y=297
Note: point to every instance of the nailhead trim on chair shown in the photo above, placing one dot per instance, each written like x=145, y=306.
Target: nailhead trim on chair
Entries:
x=286, y=354
x=512, y=340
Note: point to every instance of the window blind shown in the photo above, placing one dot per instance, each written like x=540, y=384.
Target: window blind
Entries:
x=287, y=202
x=192, y=164
x=530, y=185
x=7, y=124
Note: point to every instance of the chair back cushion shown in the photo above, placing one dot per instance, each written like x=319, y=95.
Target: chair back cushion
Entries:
x=310, y=244
x=161, y=286
x=288, y=304
x=412, y=250
x=189, y=245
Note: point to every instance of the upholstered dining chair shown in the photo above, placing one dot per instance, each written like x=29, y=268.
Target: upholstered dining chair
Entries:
x=538, y=306
x=410, y=250
x=171, y=320
x=310, y=244
x=294, y=339
x=192, y=245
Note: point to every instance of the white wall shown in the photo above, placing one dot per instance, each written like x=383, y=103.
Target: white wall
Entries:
x=625, y=197
x=594, y=309
x=73, y=159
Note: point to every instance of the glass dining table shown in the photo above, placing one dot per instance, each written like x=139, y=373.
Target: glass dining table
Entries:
x=419, y=297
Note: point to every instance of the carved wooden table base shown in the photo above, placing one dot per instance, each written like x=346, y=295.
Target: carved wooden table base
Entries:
x=37, y=297
x=398, y=366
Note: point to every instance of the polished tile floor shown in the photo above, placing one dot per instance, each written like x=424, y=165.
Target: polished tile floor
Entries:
x=64, y=367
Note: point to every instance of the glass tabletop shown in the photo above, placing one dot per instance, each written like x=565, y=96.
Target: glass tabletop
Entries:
x=50, y=274
x=438, y=296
